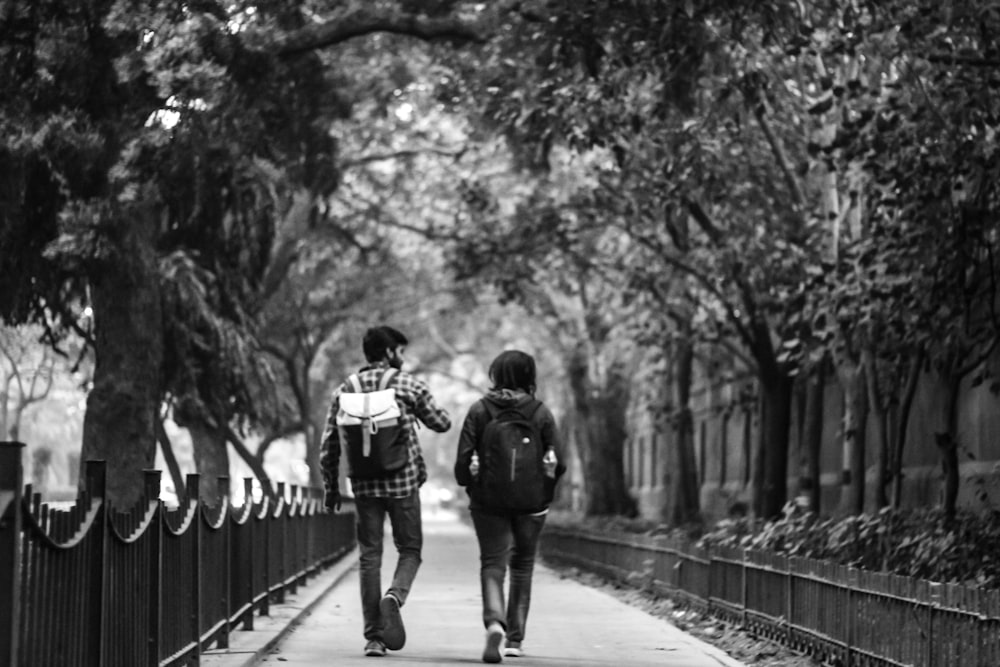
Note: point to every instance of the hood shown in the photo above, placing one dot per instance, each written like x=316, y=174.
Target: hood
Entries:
x=507, y=397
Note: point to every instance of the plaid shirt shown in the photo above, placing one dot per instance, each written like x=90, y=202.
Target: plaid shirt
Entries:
x=416, y=403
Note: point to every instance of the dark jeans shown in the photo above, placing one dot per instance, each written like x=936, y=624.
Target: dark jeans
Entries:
x=407, y=534
x=507, y=540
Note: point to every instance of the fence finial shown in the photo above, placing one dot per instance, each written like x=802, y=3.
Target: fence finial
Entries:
x=96, y=476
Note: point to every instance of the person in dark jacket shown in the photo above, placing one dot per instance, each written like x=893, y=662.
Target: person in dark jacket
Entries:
x=507, y=538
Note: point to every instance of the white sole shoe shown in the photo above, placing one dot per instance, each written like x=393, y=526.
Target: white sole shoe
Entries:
x=494, y=636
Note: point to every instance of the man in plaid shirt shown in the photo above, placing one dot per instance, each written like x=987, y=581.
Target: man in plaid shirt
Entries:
x=396, y=494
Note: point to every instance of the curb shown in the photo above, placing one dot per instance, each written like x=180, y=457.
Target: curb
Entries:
x=247, y=648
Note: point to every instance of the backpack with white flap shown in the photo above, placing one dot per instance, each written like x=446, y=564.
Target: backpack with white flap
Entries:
x=370, y=425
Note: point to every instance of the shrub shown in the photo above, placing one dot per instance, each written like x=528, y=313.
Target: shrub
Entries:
x=920, y=543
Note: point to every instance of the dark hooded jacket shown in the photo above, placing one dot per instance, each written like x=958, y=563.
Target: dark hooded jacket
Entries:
x=475, y=422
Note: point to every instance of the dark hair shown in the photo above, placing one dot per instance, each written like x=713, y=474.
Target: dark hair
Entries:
x=379, y=340
x=513, y=369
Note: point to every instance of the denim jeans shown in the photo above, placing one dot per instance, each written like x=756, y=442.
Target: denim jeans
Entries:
x=507, y=540
x=407, y=534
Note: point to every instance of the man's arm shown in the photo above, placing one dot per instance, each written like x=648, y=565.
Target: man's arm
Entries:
x=426, y=410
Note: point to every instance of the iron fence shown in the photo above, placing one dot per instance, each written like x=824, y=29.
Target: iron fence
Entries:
x=155, y=585
x=839, y=615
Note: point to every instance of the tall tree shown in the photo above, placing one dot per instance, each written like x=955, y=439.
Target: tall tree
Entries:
x=136, y=182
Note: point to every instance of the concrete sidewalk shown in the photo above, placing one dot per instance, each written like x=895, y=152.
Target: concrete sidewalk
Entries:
x=569, y=624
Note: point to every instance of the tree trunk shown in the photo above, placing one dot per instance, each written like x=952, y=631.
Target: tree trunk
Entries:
x=211, y=459
x=681, y=480
x=948, y=445
x=4, y=432
x=14, y=429
x=879, y=431
x=903, y=422
x=314, y=443
x=813, y=435
x=757, y=465
x=122, y=407
x=600, y=436
x=776, y=413
x=852, y=379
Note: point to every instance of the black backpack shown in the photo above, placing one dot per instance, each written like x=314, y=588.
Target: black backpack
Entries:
x=511, y=472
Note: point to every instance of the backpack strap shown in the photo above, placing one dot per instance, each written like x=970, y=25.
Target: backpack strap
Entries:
x=386, y=378
x=355, y=382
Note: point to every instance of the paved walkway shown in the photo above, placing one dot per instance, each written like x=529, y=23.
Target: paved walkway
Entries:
x=569, y=624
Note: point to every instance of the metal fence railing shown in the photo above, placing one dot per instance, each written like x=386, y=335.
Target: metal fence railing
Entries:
x=152, y=586
x=837, y=614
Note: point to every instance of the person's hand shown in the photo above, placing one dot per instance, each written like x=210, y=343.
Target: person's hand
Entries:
x=332, y=500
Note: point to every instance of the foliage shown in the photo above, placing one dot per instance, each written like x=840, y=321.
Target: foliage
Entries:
x=918, y=116
x=697, y=148
x=919, y=543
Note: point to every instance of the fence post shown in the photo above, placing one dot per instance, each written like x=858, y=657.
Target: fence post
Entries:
x=226, y=562
x=933, y=602
x=282, y=524
x=193, y=492
x=851, y=615
x=155, y=550
x=789, y=602
x=248, y=554
x=743, y=589
x=11, y=483
x=96, y=472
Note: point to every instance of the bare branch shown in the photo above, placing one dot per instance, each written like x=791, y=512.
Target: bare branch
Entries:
x=705, y=222
x=396, y=155
x=48, y=373
x=364, y=19
x=250, y=460
x=437, y=370
x=284, y=432
x=173, y=468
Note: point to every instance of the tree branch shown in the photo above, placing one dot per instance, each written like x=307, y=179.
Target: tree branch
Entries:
x=284, y=432
x=173, y=468
x=781, y=158
x=364, y=19
x=701, y=217
x=251, y=460
x=395, y=155
x=715, y=235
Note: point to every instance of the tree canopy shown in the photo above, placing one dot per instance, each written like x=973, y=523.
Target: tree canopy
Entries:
x=209, y=194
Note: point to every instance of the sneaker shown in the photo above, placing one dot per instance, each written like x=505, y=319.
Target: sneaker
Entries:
x=494, y=635
x=393, y=632
x=375, y=649
x=513, y=650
